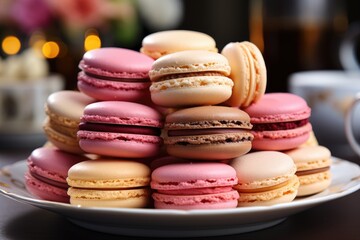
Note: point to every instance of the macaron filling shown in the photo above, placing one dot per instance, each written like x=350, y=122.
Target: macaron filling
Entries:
x=191, y=132
x=115, y=128
x=263, y=189
x=186, y=75
x=49, y=181
x=113, y=83
x=196, y=191
x=279, y=125
x=312, y=171
x=125, y=79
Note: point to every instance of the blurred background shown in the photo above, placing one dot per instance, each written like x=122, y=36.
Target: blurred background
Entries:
x=293, y=34
x=42, y=41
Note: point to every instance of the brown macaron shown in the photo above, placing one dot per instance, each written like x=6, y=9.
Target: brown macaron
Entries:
x=208, y=133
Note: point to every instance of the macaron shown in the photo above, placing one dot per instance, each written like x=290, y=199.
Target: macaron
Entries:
x=120, y=129
x=64, y=110
x=194, y=186
x=47, y=173
x=115, y=74
x=162, y=43
x=280, y=121
x=208, y=133
x=248, y=71
x=109, y=183
x=190, y=78
x=313, y=168
x=265, y=178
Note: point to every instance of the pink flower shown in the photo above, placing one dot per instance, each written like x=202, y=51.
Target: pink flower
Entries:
x=30, y=14
x=78, y=13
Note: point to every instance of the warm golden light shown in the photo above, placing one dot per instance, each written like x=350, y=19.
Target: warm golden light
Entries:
x=50, y=49
x=11, y=45
x=37, y=41
x=92, y=42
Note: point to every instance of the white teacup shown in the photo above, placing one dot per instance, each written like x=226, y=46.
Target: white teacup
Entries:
x=330, y=94
x=22, y=104
x=351, y=122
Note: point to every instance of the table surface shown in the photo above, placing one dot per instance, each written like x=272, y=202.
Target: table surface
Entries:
x=332, y=220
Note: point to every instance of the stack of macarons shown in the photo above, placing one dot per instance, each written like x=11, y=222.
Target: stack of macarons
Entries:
x=182, y=125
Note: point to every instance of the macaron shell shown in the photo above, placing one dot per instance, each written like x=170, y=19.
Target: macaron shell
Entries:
x=284, y=194
x=260, y=71
x=261, y=169
x=106, y=90
x=214, y=116
x=119, y=145
x=208, y=150
x=128, y=64
x=193, y=175
x=57, y=107
x=278, y=107
x=191, y=61
x=282, y=139
x=62, y=141
x=45, y=191
x=130, y=198
x=162, y=43
x=188, y=202
x=61, y=129
x=314, y=183
x=310, y=157
x=52, y=163
x=248, y=72
x=200, y=90
x=108, y=174
x=120, y=112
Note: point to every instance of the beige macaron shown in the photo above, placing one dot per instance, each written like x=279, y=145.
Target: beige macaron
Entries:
x=248, y=71
x=265, y=178
x=313, y=168
x=109, y=183
x=162, y=43
x=190, y=78
x=64, y=110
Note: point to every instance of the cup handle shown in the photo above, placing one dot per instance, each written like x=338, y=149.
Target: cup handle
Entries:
x=347, y=50
x=348, y=125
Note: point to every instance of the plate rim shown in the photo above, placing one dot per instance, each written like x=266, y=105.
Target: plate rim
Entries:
x=297, y=203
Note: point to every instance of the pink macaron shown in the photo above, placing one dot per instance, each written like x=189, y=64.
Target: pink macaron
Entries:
x=202, y=185
x=115, y=74
x=120, y=129
x=48, y=170
x=280, y=121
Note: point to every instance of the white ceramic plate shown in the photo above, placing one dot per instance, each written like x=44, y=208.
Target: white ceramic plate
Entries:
x=177, y=223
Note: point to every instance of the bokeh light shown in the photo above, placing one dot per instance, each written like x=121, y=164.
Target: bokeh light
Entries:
x=92, y=41
x=50, y=49
x=11, y=45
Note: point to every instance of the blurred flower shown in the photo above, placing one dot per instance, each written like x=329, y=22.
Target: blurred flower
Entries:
x=30, y=15
x=78, y=13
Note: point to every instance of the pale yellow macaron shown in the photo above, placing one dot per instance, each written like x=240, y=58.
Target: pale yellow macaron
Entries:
x=248, y=71
x=265, y=178
x=64, y=110
x=313, y=168
x=162, y=43
x=190, y=78
x=109, y=183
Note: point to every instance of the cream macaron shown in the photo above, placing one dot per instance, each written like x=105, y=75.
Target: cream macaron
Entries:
x=265, y=178
x=64, y=110
x=109, y=183
x=190, y=78
x=313, y=168
x=248, y=71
